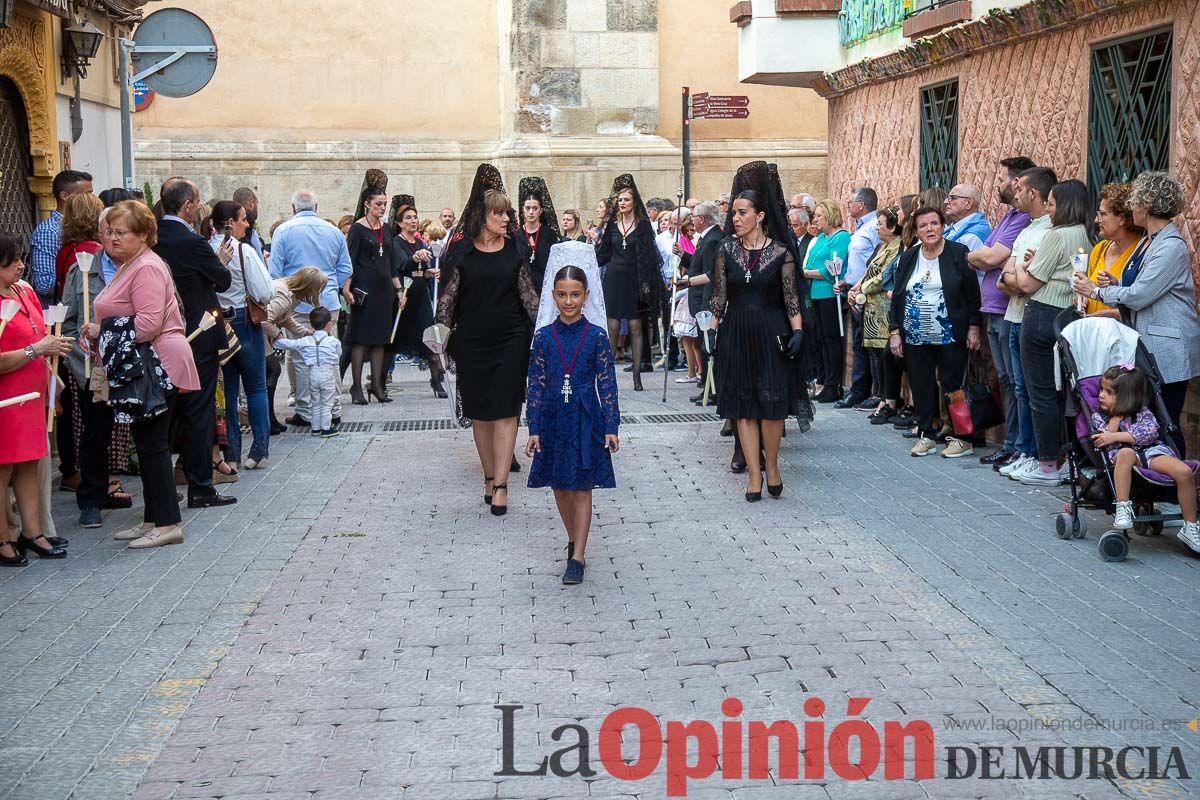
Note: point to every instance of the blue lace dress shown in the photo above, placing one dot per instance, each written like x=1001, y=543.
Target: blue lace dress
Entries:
x=572, y=428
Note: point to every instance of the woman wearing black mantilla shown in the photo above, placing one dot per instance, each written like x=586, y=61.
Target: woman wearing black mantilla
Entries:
x=414, y=263
x=490, y=305
x=756, y=299
x=633, y=283
x=539, y=227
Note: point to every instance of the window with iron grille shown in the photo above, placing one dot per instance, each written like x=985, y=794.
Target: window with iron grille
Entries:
x=1129, y=114
x=18, y=211
x=939, y=135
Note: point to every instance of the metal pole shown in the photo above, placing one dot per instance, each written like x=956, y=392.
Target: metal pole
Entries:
x=123, y=46
x=687, y=142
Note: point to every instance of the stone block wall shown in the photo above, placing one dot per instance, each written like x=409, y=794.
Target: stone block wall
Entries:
x=585, y=67
x=1028, y=98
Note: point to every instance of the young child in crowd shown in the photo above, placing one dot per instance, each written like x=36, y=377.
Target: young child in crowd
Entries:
x=1129, y=434
x=319, y=354
x=572, y=410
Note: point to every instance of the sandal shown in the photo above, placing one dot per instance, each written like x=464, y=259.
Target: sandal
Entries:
x=117, y=496
x=221, y=476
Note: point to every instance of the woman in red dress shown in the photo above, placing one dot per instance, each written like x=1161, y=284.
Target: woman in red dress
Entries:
x=24, y=345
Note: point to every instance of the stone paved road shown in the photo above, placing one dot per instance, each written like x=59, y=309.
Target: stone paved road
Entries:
x=348, y=628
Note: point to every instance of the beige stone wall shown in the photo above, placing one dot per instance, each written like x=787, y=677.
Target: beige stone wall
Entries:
x=567, y=89
x=314, y=69
x=698, y=47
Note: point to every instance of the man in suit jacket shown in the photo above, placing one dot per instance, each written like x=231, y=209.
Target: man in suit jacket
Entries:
x=700, y=269
x=199, y=274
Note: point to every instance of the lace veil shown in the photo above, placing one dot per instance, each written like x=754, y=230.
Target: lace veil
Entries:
x=573, y=254
x=536, y=187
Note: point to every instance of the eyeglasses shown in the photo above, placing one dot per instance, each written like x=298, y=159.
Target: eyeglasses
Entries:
x=957, y=197
x=117, y=233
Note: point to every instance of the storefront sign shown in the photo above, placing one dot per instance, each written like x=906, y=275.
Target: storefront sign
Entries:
x=859, y=20
x=61, y=8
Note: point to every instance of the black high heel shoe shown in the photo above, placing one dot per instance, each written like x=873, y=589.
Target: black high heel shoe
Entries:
x=776, y=490
x=439, y=391
x=17, y=559
x=637, y=380
x=754, y=497
x=487, y=498
x=379, y=394
x=24, y=544
x=356, y=395
x=500, y=511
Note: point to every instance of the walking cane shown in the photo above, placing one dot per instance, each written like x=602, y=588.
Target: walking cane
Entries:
x=54, y=316
x=406, y=282
x=84, y=260
x=665, y=337
x=704, y=323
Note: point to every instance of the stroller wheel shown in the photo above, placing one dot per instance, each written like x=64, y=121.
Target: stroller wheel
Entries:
x=1065, y=526
x=1114, y=546
x=1080, y=531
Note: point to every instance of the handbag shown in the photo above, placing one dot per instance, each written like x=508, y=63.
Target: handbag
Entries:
x=973, y=408
x=226, y=354
x=256, y=312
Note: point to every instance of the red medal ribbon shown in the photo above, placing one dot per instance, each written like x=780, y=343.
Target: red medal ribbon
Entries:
x=561, y=356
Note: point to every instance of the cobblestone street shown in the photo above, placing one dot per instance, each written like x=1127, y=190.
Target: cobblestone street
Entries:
x=347, y=629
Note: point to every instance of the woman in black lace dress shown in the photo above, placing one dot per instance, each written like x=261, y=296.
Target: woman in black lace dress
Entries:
x=415, y=265
x=633, y=283
x=490, y=306
x=756, y=299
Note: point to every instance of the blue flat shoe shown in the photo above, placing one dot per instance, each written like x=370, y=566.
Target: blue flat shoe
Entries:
x=574, y=573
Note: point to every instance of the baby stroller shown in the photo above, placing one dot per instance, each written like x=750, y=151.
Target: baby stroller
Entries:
x=1086, y=348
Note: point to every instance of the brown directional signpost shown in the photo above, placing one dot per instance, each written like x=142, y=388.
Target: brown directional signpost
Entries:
x=703, y=105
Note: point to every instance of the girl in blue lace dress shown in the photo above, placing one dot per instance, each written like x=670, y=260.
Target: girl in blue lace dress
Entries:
x=572, y=410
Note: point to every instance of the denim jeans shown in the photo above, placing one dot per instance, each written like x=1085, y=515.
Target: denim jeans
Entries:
x=997, y=330
x=249, y=369
x=1024, y=440
x=860, y=372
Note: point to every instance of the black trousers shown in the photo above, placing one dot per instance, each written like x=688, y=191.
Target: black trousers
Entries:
x=64, y=424
x=877, y=355
x=152, y=439
x=1037, y=367
x=273, y=372
x=197, y=428
x=893, y=372
x=927, y=364
x=93, y=455
x=833, y=359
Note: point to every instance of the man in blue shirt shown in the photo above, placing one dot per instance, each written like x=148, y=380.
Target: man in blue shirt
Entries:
x=864, y=238
x=306, y=240
x=46, y=239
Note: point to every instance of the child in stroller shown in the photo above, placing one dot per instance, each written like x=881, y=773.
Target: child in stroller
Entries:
x=1128, y=433
x=1088, y=349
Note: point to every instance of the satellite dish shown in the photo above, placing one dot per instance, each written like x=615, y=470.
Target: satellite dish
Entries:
x=174, y=53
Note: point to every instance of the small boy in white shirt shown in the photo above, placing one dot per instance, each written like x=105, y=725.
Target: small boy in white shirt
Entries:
x=319, y=353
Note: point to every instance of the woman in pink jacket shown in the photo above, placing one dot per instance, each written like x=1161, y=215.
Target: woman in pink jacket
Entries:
x=144, y=290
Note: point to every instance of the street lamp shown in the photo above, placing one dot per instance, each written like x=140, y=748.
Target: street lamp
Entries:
x=80, y=43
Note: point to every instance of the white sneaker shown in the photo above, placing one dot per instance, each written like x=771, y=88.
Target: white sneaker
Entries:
x=1189, y=534
x=255, y=463
x=1015, y=467
x=1036, y=476
x=1123, y=518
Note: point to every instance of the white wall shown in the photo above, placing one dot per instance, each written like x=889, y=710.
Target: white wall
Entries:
x=98, y=151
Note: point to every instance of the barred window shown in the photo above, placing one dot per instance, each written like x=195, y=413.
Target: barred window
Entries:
x=1129, y=114
x=939, y=135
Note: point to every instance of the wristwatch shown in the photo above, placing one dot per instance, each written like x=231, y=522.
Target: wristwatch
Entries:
x=30, y=353
x=1095, y=295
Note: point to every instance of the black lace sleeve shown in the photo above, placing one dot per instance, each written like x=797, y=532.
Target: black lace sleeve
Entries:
x=536, y=385
x=719, y=284
x=448, y=303
x=530, y=298
x=649, y=267
x=791, y=297
x=606, y=385
x=604, y=245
